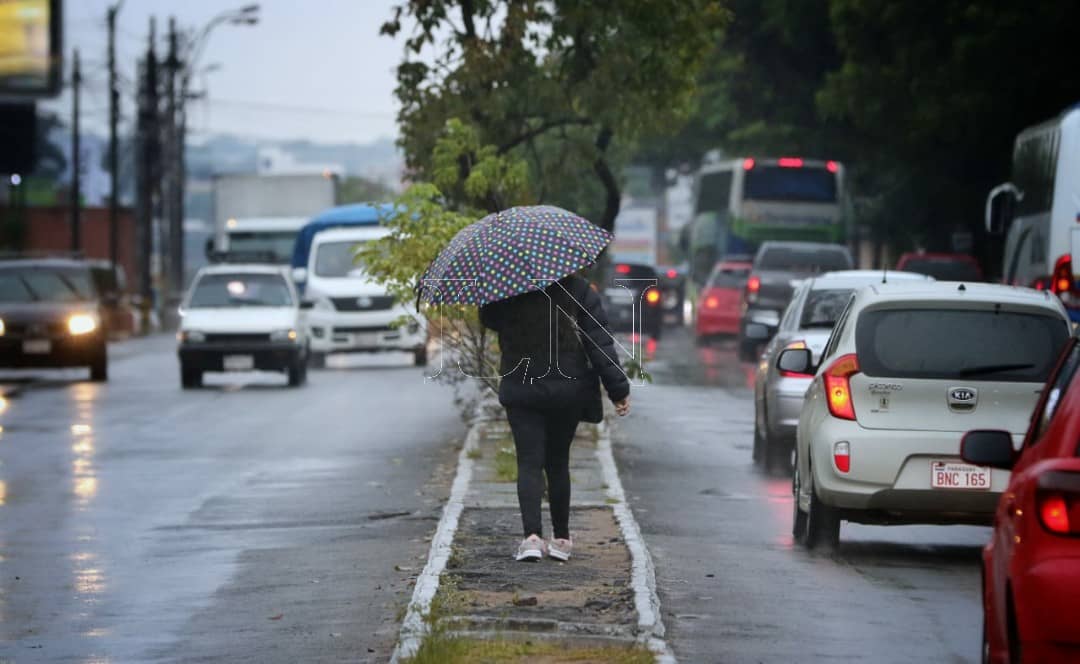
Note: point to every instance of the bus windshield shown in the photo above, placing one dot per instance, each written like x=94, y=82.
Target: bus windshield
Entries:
x=776, y=183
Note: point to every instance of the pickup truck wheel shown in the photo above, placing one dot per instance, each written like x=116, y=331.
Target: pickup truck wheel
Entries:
x=190, y=378
x=297, y=373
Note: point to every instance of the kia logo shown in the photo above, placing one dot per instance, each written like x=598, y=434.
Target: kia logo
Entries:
x=962, y=395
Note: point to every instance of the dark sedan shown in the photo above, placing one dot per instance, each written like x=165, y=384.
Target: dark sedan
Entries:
x=50, y=317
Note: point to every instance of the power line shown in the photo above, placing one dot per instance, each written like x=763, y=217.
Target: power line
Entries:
x=295, y=108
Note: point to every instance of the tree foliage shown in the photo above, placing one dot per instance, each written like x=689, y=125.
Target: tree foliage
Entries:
x=559, y=84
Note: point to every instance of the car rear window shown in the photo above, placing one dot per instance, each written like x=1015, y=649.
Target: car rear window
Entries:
x=944, y=270
x=728, y=277
x=803, y=260
x=823, y=307
x=959, y=344
x=633, y=271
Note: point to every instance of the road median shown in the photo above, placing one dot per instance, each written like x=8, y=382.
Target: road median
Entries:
x=474, y=602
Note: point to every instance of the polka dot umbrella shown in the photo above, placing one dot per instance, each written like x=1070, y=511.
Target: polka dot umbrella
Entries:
x=511, y=252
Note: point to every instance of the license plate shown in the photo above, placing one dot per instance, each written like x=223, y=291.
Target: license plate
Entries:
x=366, y=339
x=953, y=475
x=37, y=346
x=239, y=363
x=619, y=295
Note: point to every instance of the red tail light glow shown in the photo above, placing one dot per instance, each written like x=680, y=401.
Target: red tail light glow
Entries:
x=842, y=456
x=652, y=296
x=622, y=268
x=1062, y=280
x=671, y=274
x=832, y=166
x=838, y=386
x=795, y=345
x=1054, y=513
x=790, y=162
x=753, y=284
x=748, y=164
x=712, y=302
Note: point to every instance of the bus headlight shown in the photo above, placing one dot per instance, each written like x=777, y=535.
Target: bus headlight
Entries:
x=79, y=324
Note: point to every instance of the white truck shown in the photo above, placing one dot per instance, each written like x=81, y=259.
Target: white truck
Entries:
x=259, y=215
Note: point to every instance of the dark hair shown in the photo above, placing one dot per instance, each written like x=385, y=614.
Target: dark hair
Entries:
x=531, y=317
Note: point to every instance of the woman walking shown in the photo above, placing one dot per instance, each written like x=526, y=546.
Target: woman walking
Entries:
x=556, y=350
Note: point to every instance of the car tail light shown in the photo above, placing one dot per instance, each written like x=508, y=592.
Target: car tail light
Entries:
x=832, y=166
x=671, y=274
x=712, y=302
x=1062, y=279
x=622, y=268
x=748, y=164
x=842, y=456
x=790, y=162
x=753, y=285
x=652, y=296
x=795, y=345
x=1057, y=498
x=838, y=386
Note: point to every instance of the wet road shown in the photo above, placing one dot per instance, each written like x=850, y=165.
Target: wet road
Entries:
x=242, y=522
x=733, y=585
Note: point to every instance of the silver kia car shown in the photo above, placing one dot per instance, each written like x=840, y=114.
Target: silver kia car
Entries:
x=806, y=323
x=908, y=368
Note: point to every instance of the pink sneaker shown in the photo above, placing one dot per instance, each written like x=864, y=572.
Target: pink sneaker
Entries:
x=560, y=549
x=532, y=549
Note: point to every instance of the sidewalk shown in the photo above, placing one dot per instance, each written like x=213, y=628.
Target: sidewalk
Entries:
x=474, y=601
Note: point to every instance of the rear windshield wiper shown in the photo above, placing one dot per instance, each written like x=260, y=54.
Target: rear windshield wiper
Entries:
x=994, y=368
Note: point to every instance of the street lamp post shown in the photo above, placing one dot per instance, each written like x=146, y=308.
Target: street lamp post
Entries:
x=185, y=64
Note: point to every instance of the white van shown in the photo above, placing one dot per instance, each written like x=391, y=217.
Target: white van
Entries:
x=352, y=313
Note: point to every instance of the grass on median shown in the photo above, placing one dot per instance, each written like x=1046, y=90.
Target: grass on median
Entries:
x=444, y=649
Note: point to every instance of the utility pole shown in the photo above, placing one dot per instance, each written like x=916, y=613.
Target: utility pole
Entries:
x=76, y=174
x=114, y=158
x=174, y=183
x=147, y=172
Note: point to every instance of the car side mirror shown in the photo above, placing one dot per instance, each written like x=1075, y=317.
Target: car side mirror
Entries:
x=1001, y=207
x=796, y=360
x=299, y=274
x=987, y=447
x=307, y=304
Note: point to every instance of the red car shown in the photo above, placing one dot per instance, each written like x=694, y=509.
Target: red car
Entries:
x=943, y=267
x=719, y=305
x=1031, y=567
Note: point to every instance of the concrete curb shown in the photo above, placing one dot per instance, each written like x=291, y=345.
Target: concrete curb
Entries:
x=413, y=626
x=642, y=574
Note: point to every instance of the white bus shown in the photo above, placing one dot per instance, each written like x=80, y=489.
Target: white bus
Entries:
x=1039, y=209
x=739, y=203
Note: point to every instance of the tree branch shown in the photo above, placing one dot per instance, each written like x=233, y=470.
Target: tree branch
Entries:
x=467, y=11
x=612, y=199
x=542, y=128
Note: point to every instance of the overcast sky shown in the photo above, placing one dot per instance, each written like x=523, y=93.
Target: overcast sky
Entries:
x=316, y=70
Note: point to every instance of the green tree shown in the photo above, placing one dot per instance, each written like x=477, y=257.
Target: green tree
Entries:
x=566, y=86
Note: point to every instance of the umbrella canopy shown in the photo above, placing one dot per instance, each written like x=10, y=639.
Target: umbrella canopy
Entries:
x=512, y=252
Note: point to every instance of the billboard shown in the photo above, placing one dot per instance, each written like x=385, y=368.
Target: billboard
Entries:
x=30, y=48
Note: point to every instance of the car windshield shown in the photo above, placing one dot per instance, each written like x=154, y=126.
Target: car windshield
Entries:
x=240, y=290
x=728, y=277
x=337, y=259
x=959, y=344
x=944, y=269
x=45, y=284
x=792, y=259
x=823, y=307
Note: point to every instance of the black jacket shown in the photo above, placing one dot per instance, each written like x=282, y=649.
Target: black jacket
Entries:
x=571, y=380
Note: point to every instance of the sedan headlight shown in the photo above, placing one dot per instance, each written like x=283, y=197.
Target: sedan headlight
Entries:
x=283, y=335
x=192, y=336
x=82, y=324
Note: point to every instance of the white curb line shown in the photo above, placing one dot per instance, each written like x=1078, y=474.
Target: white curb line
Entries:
x=414, y=627
x=642, y=574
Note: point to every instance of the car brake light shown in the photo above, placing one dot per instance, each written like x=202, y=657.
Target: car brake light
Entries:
x=1040, y=284
x=795, y=345
x=652, y=296
x=671, y=274
x=838, y=386
x=1057, y=499
x=832, y=166
x=712, y=302
x=1062, y=280
x=748, y=164
x=790, y=162
x=842, y=456
x=622, y=268
x=753, y=284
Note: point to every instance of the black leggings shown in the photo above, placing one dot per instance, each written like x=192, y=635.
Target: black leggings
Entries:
x=542, y=439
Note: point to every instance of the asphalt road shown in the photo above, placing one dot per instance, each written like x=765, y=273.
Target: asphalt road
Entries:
x=241, y=522
x=733, y=585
